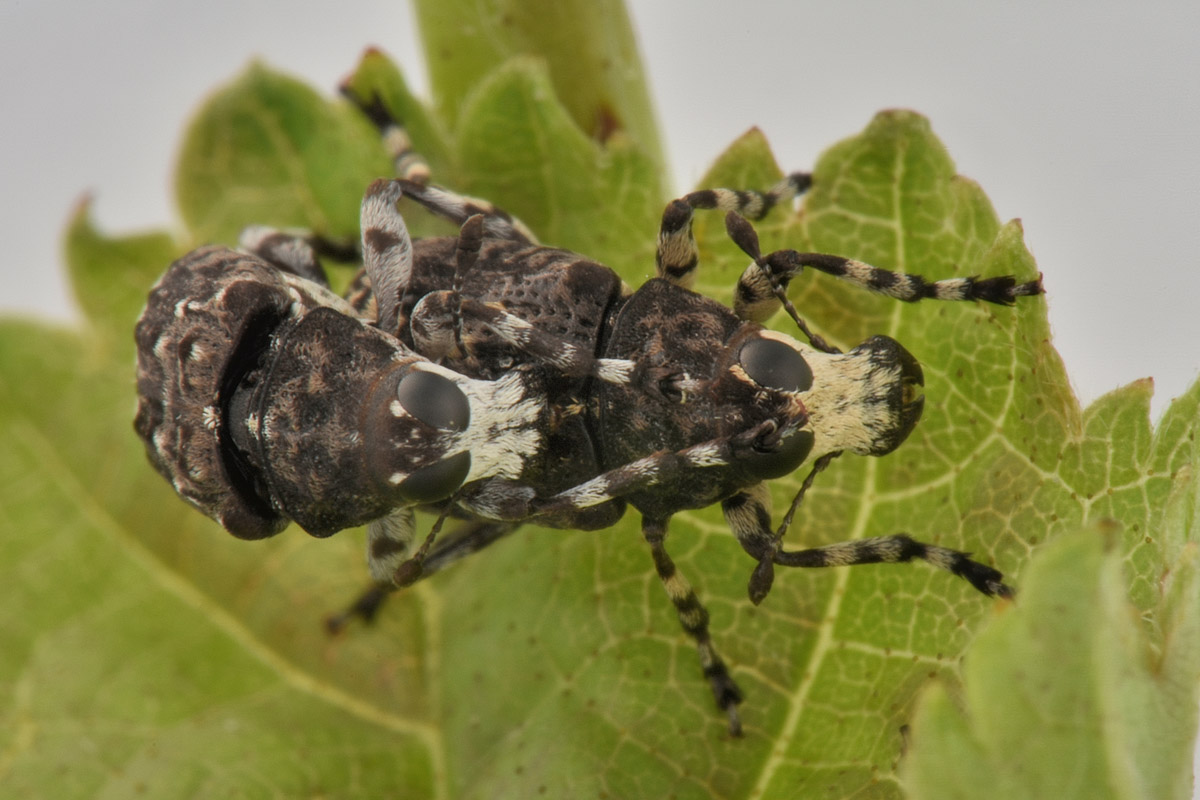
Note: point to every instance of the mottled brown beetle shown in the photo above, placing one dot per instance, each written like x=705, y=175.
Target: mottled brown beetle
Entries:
x=497, y=380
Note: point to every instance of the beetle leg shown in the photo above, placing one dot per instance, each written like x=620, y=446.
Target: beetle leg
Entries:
x=414, y=175
x=510, y=500
x=389, y=540
x=694, y=618
x=760, y=289
x=287, y=251
x=387, y=251
x=749, y=516
x=895, y=549
x=441, y=202
x=469, y=538
x=409, y=164
x=445, y=324
x=678, y=255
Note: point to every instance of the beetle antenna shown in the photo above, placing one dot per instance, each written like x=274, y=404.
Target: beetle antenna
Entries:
x=411, y=570
x=744, y=236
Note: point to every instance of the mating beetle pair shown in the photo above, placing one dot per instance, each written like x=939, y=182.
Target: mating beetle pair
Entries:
x=489, y=378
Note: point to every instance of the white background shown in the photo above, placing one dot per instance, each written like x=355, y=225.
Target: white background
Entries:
x=1083, y=119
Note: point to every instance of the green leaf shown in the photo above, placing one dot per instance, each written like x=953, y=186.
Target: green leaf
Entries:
x=517, y=141
x=110, y=275
x=376, y=76
x=588, y=45
x=147, y=651
x=1066, y=697
x=269, y=149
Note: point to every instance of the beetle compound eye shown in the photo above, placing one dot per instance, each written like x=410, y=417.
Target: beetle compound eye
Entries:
x=784, y=459
x=439, y=403
x=434, y=400
x=775, y=365
x=437, y=481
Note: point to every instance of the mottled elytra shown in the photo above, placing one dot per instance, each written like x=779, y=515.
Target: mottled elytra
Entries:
x=498, y=381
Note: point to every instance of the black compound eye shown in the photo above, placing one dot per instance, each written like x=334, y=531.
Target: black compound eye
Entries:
x=775, y=365
x=783, y=460
x=437, y=481
x=434, y=400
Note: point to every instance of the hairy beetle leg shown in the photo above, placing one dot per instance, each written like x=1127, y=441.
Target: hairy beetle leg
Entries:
x=760, y=288
x=364, y=607
x=467, y=539
x=895, y=549
x=693, y=616
x=413, y=174
x=748, y=514
x=408, y=163
x=677, y=255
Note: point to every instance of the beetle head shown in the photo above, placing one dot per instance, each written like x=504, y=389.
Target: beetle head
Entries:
x=866, y=401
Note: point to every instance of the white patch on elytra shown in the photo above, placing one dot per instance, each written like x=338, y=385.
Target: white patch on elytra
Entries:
x=614, y=370
x=162, y=347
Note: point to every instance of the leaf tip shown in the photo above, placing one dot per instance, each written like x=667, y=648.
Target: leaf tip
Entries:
x=900, y=118
x=83, y=204
x=79, y=220
x=373, y=58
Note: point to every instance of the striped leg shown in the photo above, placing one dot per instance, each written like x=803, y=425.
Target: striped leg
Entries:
x=497, y=223
x=414, y=175
x=288, y=251
x=409, y=164
x=759, y=290
x=677, y=254
x=896, y=549
x=389, y=540
x=470, y=538
x=387, y=251
x=694, y=619
x=437, y=324
x=295, y=251
x=437, y=320
x=748, y=514
x=661, y=467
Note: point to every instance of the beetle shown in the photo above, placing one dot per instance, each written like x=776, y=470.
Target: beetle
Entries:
x=488, y=377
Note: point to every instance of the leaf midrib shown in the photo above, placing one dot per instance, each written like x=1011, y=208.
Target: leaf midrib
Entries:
x=798, y=699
